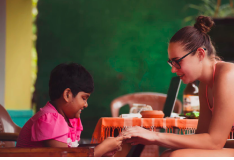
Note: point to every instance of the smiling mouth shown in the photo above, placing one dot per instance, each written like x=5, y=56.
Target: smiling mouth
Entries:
x=81, y=109
x=180, y=75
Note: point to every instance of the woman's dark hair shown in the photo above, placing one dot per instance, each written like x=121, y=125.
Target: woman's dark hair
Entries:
x=73, y=76
x=192, y=37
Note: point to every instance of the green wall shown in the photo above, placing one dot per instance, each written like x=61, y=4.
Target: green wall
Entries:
x=123, y=43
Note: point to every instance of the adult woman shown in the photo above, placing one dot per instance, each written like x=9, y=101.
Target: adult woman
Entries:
x=193, y=57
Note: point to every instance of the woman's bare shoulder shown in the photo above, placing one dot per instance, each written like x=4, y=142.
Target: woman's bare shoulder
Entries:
x=224, y=75
x=225, y=68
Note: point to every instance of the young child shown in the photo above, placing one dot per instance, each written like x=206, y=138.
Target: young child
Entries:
x=58, y=123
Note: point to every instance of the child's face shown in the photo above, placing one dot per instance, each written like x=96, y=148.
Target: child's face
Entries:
x=76, y=105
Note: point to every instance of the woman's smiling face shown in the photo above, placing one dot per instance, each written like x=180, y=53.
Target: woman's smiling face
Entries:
x=189, y=70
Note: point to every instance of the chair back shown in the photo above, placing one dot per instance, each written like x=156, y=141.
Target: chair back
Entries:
x=155, y=100
x=7, y=126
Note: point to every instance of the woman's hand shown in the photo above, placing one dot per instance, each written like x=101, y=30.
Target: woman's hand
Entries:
x=138, y=135
x=109, y=146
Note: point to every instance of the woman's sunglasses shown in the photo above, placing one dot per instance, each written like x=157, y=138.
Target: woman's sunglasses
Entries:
x=176, y=63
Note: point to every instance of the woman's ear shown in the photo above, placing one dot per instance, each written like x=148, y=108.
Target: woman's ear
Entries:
x=201, y=53
x=67, y=95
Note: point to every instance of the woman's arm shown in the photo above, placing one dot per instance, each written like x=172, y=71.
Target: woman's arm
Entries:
x=138, y=135
x=213, y=131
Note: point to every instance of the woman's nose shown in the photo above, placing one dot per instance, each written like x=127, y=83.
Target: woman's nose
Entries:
x=173, y=69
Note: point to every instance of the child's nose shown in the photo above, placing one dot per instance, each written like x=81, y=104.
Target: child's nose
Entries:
x=86, y=105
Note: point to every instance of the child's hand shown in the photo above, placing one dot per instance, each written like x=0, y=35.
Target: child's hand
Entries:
x=113, y=143
x=108, y=147
x=109, y=154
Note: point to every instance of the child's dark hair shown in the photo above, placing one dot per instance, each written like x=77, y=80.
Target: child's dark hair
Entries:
x=73, y=76
x=192, y=37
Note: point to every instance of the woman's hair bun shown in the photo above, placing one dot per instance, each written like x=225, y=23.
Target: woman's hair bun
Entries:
x=204, y=24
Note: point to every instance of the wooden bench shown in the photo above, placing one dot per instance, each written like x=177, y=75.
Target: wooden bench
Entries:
x=47, y=152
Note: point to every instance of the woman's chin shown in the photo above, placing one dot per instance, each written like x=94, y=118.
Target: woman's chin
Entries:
x=185, y=81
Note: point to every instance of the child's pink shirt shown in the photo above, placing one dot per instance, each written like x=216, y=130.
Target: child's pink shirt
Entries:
x=49, y=124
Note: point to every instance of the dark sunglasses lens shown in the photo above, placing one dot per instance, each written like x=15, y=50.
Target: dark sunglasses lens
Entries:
x=175, y=64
